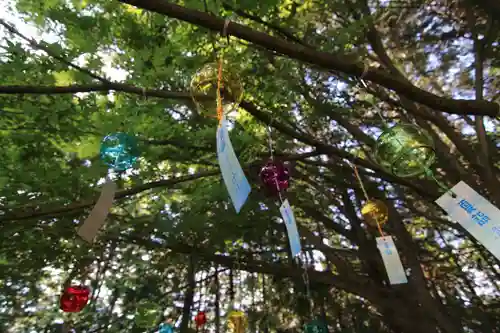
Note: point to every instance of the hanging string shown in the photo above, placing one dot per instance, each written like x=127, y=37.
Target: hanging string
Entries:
x=271, y=152
x=377, y=109
x=445, y=188
x=356, y=173
x=231, y=286
x=270, y=138
x=238, y=276
x=358, y=178
x=220, y=111
x=305, y=279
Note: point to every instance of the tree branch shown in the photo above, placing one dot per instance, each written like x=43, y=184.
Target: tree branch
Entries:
x=106, y=87
x=37, y=211
x=321, y=59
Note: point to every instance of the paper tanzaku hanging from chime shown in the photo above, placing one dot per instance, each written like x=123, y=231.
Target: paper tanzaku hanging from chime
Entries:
x=405, y=150
x=237, y=321
x=236, y=183
x=375, y=212
x=315, y=326
x=119, y=151
x=391, y=259
x=204, y=89
x=291, y=228
x=476, y=214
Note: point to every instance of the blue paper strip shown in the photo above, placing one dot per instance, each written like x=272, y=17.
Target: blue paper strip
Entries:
x=236, y=183
x=291, y=228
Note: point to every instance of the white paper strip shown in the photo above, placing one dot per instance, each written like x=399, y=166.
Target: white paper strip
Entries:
x=392, y=262
x=476, y=214
x=291, y=228
x=88, y=231
x=236, y=183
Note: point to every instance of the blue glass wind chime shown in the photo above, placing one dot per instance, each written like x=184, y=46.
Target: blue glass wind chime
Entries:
x=120, y=152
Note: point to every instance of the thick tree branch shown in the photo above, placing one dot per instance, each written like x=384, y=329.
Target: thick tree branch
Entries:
x=251, y=265
x=38, y=211
x=251, y=108
x=51, y=53
x=72, y=89
x=321, y=59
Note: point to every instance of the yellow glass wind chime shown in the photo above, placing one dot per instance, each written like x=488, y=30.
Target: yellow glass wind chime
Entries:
x=237, y=320
x=405, y=150
x=215, y=86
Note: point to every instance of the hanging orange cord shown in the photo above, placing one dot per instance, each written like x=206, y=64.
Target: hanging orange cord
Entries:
x=219, y=97
x=366, y=196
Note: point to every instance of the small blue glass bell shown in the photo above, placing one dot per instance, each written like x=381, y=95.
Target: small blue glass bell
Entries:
x=119, y=151
x=315, y=326
x=166, y=328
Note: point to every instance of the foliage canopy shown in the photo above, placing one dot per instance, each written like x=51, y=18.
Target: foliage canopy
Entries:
x=173, y=238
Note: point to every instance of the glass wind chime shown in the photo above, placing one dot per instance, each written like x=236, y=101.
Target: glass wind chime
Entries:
x=403, y=150
x=75, y=297
x=120, y=152
x=216, y=88
x=237, y=321
x=166, y=327
x=275, y=178
x=406, y=150
x=200, y=319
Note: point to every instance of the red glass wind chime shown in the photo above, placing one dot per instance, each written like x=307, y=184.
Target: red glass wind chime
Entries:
x=274, y=175
x=75, y=297
x=200, y=319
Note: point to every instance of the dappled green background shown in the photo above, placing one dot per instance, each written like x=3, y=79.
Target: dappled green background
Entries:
x=173, y=223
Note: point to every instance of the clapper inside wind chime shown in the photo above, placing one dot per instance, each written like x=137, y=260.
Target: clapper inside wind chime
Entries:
x=120, y=152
